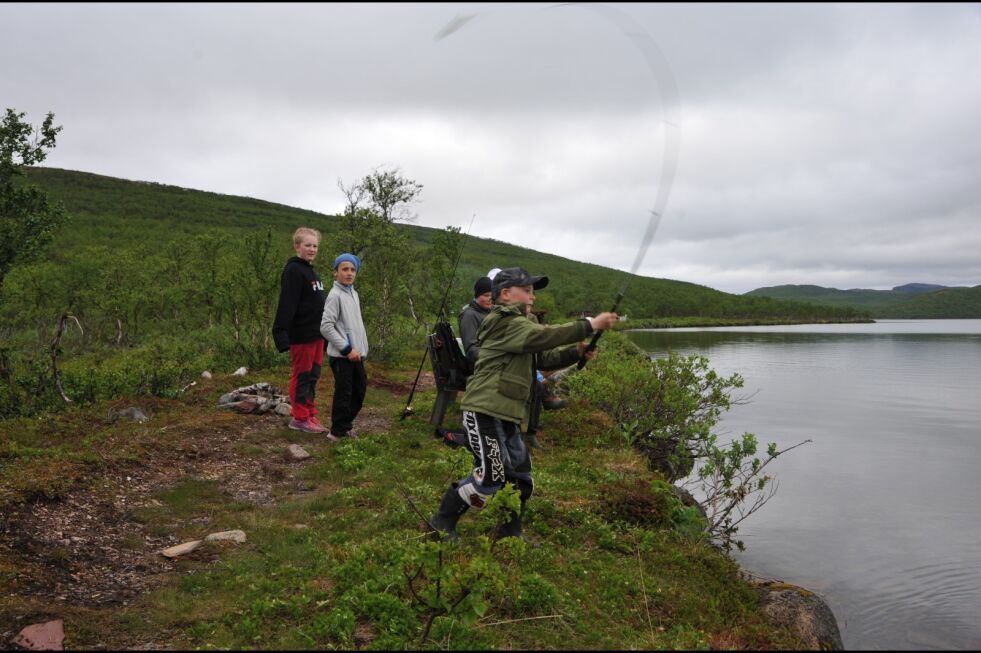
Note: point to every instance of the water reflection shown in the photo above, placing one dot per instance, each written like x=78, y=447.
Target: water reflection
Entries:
x=879, y=512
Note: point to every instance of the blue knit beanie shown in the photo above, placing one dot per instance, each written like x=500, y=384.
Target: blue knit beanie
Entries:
x=350, y=258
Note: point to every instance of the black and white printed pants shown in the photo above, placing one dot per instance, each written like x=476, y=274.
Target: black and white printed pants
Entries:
x=499, y=456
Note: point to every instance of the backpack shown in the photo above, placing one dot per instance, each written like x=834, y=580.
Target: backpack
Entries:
x=451, y=367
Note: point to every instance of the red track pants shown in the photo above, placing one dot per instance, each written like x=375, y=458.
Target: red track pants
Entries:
x=306, y=359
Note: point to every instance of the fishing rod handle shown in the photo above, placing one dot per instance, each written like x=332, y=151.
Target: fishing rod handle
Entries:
x=590, y=347
x=596, y=336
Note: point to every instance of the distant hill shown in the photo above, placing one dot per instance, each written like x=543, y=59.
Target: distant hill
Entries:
x=919, y=287
x=948, y=303
x=118, y=213
x=909, y=301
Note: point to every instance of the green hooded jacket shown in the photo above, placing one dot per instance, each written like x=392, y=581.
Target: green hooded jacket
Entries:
x=512, y=347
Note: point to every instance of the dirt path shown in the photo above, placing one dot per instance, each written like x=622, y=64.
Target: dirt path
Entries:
x=92, y=549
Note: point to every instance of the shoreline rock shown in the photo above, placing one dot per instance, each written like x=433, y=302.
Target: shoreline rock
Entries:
x=803, y=612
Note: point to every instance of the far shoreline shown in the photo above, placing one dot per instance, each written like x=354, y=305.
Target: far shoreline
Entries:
x=688, y=322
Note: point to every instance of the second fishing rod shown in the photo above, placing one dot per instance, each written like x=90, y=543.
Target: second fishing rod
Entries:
x=440, y=317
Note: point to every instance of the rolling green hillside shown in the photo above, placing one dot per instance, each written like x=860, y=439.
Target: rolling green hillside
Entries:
x=867, y=300
x=949, y=303
x=911, y=301
x=120, y=214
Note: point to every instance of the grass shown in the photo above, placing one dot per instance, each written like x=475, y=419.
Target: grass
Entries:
x=325, y=565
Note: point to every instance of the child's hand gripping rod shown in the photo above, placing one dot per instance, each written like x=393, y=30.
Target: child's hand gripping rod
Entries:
x=596, y=336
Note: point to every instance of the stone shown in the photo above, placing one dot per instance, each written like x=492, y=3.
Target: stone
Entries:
x=296, y=452
x=688, y=499
x=181, y=549
x=48, y=636
x=236, y=536
x=246, y=406
x=206, y=374
x=133, y=413
x=803, y=612
x=283, y=409
x=242, y=371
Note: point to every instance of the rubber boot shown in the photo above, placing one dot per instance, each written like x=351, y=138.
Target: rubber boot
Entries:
x=532, y=441
x=450, y=510
x=511, y=528
x=449, y=438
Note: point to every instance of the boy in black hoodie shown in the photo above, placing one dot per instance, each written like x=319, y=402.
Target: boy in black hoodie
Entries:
x=297, y=329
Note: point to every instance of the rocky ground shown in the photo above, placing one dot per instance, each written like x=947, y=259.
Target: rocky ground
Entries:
x=91, y=548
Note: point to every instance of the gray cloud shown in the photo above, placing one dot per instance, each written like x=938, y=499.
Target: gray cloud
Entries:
x=827, y=144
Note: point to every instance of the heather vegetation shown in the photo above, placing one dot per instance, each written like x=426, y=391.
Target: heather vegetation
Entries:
x=160, y=281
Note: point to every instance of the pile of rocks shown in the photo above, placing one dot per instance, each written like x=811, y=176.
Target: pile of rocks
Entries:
x=257, y=398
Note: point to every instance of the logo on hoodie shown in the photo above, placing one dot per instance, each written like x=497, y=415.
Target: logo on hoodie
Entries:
x=317, y=285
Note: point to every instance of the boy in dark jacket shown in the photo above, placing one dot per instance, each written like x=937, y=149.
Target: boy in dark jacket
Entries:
x=499, y=394
x=297, y=328
x=472, y=315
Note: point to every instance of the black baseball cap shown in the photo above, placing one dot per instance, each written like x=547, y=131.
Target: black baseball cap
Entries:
x=517, y=277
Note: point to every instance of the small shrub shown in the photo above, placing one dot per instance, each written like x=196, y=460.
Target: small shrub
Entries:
x=336, y=625
x=536, y=596
x=637, y=502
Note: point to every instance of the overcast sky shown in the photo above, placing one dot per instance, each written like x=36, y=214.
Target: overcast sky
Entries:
x=837, y=145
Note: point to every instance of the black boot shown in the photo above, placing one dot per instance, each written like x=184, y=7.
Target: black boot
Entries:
x=532, y=441
x=511, y=528
x=448, y=514
x=452, y=439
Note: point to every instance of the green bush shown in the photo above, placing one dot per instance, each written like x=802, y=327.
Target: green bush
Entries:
x=160, y=369
x=336, y=625
x=536, y=596
x=667, y=408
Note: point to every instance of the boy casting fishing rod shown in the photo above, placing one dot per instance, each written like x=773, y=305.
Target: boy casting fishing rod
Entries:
x=499, y=394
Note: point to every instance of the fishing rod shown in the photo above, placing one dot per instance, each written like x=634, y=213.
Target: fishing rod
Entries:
x=644, y=246
x=658, y=65
x=408, y=410
x=668, y=87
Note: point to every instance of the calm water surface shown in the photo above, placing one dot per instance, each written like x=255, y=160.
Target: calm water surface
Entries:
x=881, y=513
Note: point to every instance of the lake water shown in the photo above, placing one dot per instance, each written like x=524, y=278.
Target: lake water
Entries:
x=881, y=513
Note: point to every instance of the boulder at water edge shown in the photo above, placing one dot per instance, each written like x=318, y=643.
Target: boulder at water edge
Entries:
x=804, y=612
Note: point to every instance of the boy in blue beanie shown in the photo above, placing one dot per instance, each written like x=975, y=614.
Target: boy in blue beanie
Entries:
x=347, y=346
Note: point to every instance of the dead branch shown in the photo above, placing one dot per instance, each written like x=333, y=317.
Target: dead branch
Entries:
x=643, y=588
x=55, y=345
x=412, y=505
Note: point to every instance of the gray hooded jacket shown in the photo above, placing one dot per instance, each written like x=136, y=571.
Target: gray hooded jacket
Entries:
x=341, y=324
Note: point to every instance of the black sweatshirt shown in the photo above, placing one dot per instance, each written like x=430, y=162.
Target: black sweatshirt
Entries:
x=301, y=305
